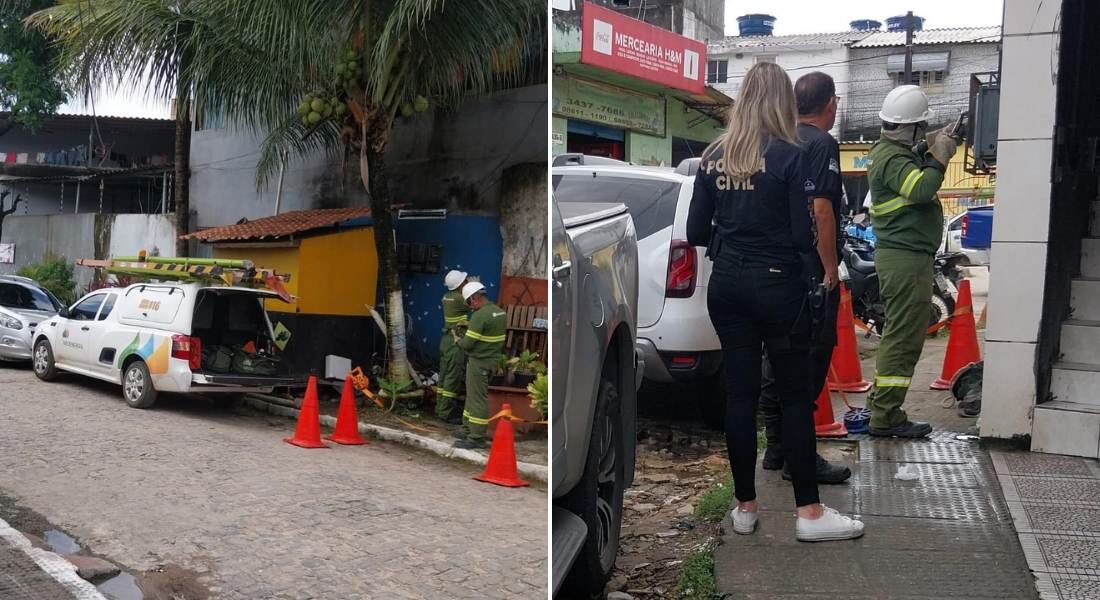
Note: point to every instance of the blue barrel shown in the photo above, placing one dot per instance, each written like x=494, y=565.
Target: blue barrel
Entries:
x=756, y=24
x=866, y=25
x=898, y=23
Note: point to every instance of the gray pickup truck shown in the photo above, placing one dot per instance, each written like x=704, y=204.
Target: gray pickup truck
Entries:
x=596, y=376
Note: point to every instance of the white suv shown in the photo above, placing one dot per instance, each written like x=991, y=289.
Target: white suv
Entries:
x=675, y=335
x=149, y=338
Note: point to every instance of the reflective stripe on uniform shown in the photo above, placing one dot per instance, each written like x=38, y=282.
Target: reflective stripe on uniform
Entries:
x=892, y=381
x=885, y=208
x=473, y=419
x=444, y=393
x=484, y=338
x=910, y=182
x=453, y=320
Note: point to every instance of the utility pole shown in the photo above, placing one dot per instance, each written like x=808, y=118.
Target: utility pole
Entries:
x=908, y=48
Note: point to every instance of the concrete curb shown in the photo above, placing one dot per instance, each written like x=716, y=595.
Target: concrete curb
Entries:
x=529, y=470
x=61, y=570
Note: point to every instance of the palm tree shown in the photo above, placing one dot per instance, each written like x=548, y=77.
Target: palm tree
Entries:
x=255, y=60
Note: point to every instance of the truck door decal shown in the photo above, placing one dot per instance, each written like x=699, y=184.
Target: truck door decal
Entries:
x=155, y=354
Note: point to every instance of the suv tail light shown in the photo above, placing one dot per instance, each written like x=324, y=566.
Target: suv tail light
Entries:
x=965, y=224
x=682, y=262
x=189, y=349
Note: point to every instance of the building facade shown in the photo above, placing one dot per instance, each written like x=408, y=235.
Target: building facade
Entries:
x=701, y=20
x=1042, y=348
x=600, y=111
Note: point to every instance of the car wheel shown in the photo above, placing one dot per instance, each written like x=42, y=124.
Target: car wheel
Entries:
x=598, y=499
x=137, y=386
x=42, y=360
x=712, y=401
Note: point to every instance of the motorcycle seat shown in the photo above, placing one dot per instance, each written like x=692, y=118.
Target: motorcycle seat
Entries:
x=858, y=264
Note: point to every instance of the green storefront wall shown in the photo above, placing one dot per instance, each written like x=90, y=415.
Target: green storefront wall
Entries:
x=680, y=120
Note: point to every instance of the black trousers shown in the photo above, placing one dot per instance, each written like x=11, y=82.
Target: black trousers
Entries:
x=754, y=307
x=821, y=355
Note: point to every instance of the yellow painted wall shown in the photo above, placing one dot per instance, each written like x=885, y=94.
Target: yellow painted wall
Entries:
x=283, y=260
x=338, y=273
x=956, y=181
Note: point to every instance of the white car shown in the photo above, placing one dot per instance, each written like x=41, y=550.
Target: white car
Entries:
x=675, y=336
x=149, y=337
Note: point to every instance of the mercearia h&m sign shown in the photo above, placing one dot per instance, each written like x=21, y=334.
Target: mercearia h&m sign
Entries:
x=635, y=48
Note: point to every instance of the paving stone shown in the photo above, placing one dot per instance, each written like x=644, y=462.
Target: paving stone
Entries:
x=187, y=484
x=91, y=567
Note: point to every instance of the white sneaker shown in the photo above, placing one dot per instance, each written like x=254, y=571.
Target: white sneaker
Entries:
x=830, y=527
x=744, y=522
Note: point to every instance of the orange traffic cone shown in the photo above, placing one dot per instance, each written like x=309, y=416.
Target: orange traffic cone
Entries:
x=347, y=422
x=825, y=424
x=308, y=432
x=962, y=345
x=501, y=468
x=845, y=373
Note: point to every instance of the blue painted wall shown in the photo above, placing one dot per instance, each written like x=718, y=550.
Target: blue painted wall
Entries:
x=470, y=243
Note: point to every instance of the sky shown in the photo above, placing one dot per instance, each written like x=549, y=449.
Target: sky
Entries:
x=827, y=16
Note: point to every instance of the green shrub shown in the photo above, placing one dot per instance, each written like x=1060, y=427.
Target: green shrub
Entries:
x=56, y=275
x=715, y=502
x=696, y=579
x=539, y=390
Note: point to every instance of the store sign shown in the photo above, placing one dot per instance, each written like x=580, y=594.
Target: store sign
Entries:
x=632, y=47
x=608, y=105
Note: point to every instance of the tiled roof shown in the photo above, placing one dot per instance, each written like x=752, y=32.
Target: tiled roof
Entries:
x=280, y=225
x=956, y=35
x=807, y=39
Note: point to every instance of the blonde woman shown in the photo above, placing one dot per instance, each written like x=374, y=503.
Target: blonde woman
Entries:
x=752, y=208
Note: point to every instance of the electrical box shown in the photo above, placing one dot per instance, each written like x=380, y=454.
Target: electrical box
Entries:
x=987, y=105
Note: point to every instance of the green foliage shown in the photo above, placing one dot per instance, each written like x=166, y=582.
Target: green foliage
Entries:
x=715, y=502
x=526, y=363
x=539, y=390
x=31, y=86
x=696, y=579
x=56, y=275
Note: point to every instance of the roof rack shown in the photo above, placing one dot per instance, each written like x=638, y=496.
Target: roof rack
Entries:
x=228, y=271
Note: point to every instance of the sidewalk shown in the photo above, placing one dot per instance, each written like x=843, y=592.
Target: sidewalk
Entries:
x=948, y=534
x=46, y=576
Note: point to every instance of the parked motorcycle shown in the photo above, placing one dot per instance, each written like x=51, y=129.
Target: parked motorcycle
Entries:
x=859, y=271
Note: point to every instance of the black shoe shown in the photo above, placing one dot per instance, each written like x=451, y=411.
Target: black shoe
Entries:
x=459, y=434
x=470, y=444
x=827, y=472
x=908, y=429
x=773, y=458
x=969, y=410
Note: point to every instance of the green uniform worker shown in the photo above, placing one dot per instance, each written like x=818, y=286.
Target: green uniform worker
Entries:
x=452, y=362
x=483, y=343
x=908, y=221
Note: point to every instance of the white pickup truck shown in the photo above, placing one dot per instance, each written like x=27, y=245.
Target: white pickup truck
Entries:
x=149, y=337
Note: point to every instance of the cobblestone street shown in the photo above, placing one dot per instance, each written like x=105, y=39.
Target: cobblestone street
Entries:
x=189, y=484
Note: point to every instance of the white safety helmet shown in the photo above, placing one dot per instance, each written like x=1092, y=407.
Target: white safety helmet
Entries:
x=453, y=279
x=470, y=289
x=905, y=104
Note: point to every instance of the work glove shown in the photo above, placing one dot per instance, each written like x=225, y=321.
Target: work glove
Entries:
x=942, y=146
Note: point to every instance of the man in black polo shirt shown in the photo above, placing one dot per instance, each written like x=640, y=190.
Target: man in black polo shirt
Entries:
x=817, y=104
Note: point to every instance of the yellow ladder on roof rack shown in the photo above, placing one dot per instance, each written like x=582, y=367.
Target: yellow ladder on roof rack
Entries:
x=228, y=271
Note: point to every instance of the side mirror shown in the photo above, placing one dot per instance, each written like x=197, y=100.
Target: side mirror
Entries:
x=64, y=312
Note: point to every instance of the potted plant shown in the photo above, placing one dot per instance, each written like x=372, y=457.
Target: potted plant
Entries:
x=522, y=369
x=499, y=377
x=539, y=390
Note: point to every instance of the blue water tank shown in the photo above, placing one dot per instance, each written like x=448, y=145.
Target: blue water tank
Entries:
x=755, y=24
x=865, y=25
x=898, y=23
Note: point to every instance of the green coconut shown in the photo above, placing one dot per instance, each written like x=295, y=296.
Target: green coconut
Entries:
x=407, y=110
x=303, y=109
x=317, y=105
x=305, y=121
x=314, y=118
x=339, y=109
x=420, y=104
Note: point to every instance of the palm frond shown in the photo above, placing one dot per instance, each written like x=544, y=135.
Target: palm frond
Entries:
x=291, y=139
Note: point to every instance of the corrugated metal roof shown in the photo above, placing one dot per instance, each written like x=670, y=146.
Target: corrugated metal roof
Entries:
x=956, y=35
x=807, y=39
x=280, y=225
